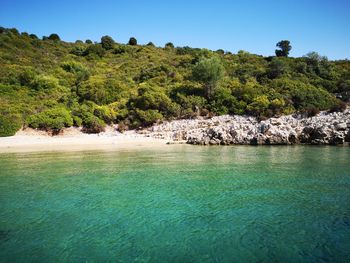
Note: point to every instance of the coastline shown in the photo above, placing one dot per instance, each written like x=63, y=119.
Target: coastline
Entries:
x=73, y=139
x=323, y=129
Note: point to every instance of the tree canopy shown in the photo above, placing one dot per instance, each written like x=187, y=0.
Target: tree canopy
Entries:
x=284, y=48
x=132, y=41
x=209, y=71
x=107, y=42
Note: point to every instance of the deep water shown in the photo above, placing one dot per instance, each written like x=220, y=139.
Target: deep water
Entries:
x=178, y=203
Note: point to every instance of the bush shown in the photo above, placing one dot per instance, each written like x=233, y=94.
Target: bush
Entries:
x=98, y=91
x=122, y=126
x=92, y=124
x=42, y=82
x=77, y=121
x=311, y=111
x=151, y=99
x=78, y=50
x=259, y=105
x=105, y=113
x=119, y=50
x=149, y=117
x=72, y=66
x=96, y=49
x=338, y=106
x=26, y=78
x=9, y=124
x=52, y=119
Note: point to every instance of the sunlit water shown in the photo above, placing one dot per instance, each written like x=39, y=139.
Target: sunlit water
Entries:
x=177, y=204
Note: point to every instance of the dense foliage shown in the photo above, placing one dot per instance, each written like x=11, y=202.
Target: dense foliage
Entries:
x=51, y=84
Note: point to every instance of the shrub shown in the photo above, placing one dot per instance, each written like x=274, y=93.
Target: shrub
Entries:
x=119, y=50
x=9, y=124
x=92, y=124
x=150, y=99
x=43, y=82
x=259, y=105
x=72, y=66
x=338, y=106
x=277, y=105
x=122, y=126
x=149, y=117
x=311, y=111
x=27, y=77
x=277, y=68
x=105, y=113
x=77, y=121
x=51, y=119
x=78, y=50
x=95, y=49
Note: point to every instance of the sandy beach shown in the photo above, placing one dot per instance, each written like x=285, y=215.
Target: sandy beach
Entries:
x=73, y=139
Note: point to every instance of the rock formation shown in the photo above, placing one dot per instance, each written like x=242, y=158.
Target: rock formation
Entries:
x=324, y=128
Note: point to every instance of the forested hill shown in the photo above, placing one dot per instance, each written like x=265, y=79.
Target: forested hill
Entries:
x=50, y=84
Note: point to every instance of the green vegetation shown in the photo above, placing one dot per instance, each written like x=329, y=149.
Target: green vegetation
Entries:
x=50, y=84
x=284, y=48
x=132, y=41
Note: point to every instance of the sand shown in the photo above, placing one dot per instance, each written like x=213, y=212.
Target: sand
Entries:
x=73, y=139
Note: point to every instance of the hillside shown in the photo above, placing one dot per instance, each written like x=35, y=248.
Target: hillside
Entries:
x=50, y=84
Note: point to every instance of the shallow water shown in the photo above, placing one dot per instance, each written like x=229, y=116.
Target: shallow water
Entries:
x=177, y=204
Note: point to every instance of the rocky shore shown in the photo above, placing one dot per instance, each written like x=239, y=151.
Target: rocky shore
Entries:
x=324, y=128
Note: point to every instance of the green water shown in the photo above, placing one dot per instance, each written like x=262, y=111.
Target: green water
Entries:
x=177, y=204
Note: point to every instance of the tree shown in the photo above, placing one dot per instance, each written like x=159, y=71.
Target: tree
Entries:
x=54, y=37
x=150, y=44
x=107, y=42
x=285, y=47
x=88, y=41
x=209, y=72
x=132, y=41
x=33, y=36
x=169, y=45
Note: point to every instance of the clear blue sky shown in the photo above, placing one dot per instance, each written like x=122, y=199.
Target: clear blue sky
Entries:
x=251, y=25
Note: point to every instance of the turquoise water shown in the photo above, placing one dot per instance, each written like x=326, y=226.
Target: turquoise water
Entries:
x=179, y=203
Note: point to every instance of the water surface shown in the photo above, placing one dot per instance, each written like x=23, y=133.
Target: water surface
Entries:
x=177, y=204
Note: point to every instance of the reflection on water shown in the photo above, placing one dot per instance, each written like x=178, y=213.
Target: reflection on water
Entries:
x=177, y=204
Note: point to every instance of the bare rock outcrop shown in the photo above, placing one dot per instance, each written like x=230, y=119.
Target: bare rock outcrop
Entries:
x=324, y=128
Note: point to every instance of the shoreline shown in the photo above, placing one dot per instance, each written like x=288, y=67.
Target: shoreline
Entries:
x=322, y=129
x=73, y=139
